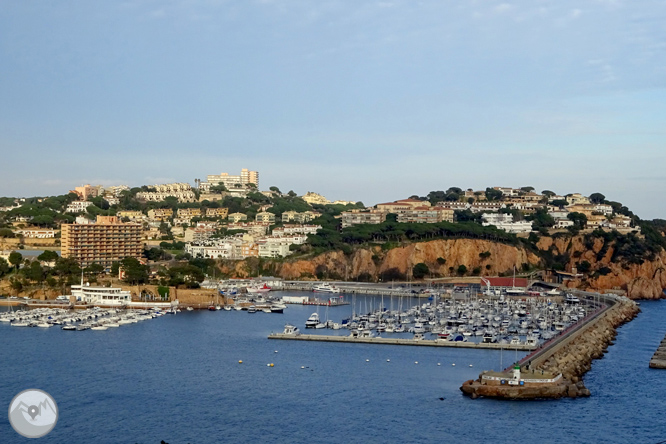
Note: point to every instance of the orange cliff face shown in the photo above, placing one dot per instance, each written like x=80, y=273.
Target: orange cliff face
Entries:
x=640, y=281
x=371, y=262
x=644, y=281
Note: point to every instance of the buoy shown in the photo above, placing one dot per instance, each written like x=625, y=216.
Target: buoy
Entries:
x=388, y=360
x=453, y=365
x=240, y=362
x=416, y=362
x=275, y=351
x=470, y=365
x=302, y=366
x=272, y=365
x=439, y=363
x=367, y=360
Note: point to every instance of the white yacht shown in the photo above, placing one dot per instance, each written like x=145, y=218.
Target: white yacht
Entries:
x=325, y=287
x=291, y=330
x=312, y=321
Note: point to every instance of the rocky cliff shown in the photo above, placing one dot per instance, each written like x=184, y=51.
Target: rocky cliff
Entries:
x=443, y=257
x=645, y=280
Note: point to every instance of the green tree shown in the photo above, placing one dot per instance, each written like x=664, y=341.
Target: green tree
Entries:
x=135, y=273
x=15, y=259
x=4, y=267
x=548, y=193
x=560, y=203
x=420, y=270
x=526, y=189
x=493, y=194
x=48, y=256
x=461, y=270
x=579, y=219
x=218, y=189
x=34, y=272
x=584, y=266
x=597, y=198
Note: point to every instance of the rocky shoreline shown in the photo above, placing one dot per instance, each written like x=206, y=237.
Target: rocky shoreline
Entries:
x=572, y=360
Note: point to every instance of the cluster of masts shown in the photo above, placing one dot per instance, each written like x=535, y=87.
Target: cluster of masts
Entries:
x=508, y=322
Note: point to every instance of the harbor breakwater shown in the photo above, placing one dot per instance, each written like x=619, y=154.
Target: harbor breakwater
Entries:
x=571, y=357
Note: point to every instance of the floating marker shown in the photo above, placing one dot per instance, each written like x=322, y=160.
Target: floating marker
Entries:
x=453, y=365
x=367, y=360
x=302, y=366
x=439, y=363
x=470, y=365
x=275, y=351
x=416, y=362
x=272, y=365
x=240, y=362
x=388, y=360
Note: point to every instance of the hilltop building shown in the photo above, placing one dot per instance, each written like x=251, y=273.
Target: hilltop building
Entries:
x=230, y=182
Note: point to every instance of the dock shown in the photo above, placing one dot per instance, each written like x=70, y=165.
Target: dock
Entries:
x=659, y=358
x=396, y=341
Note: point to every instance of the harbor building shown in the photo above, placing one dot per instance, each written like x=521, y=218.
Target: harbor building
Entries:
x=106, y=241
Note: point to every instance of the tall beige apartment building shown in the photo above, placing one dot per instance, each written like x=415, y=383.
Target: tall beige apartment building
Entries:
x=106, y=241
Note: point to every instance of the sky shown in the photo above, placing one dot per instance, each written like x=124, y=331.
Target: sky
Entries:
x=356, y=100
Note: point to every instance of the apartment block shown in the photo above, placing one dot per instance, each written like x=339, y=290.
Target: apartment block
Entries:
x=426, y=215
x=160, y=214
x=350, y=218
x=301, y=218
x=106, y=241
x=220, y=213
x=265, y=217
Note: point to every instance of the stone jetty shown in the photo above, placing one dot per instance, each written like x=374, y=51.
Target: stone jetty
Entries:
x=570, y=356
x=659, y=358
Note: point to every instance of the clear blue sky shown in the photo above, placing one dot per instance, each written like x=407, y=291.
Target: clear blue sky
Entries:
x=357, y=100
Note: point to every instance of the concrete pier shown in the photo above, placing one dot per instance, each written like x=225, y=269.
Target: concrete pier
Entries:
x=403, y=341
x=659, y=358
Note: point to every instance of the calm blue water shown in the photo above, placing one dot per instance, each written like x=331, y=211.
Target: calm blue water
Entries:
x=177, y=378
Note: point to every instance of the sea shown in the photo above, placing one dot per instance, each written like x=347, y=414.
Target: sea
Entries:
x=206, y=377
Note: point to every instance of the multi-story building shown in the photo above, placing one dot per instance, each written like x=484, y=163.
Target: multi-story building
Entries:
x=301, y=218
x=86, y=191
x=296, y=229
x=273, y=249
x=236, y=217
x=189, y=213
x=400, y=206
x=576, y=198
x=230, y=182
x=104, y=242
x=220, y=213
x=36, y=233
x=493, y=207
x=314, y=198
x=265, y=217
x=505, y=222
x=256, y=228
x=181, y=191
x=350, y=218
x=131, y=215
x=78, y=206
x=427, y=215
x=160, y=214
x=198, y=234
